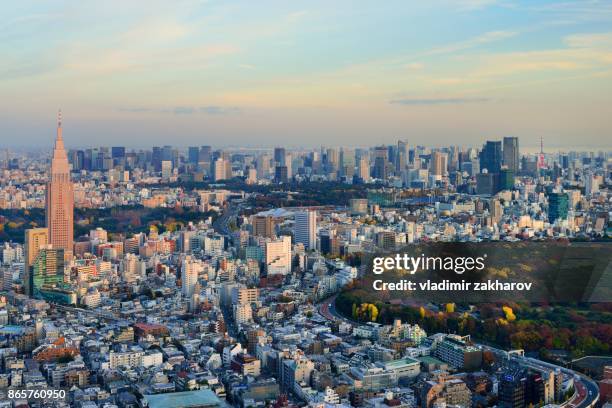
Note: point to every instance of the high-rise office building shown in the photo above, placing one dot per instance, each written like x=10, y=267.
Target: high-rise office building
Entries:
x=506, y=179
x=156, y=158
x=281, y=174
x=251, y=175
x=189, y=276
x=401, y=156
x=278, y=256
x=591, y=184
x=511, y=153
x=557, y=206
x=220, y=167
x=263, y=226
x=380, y=168
x=205, y=154
x=512, y=387
x=486, y=183
x=35, y=240
x=77, y=159
x=289, y=164
x=47, y=270
x=60, y=197
x=263, y=166
x=280, y=156
x=166, y=169
x=193, y=154
x=305, y=228
x=363, y=170
x=491, y=156
x=347, y=162
x=118, y=155
x=331, y=159
x=168, y=153
x=438, y=166
x=380, y=155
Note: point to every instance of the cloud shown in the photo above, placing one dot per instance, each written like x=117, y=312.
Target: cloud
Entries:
x=186, y=110
x=589, y=40
x=415, y=66
x=93, y=62
x=157, y=31
x=297, y=15
x=583, y=52
x=220, y=110
x=136, y=110
x=560, y=60
x=437, y=101
x=574, y=11
x=475, y=4
x=485, y=38
x=35, y=18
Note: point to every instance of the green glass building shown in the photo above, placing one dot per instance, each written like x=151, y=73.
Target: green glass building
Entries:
x=558, y=204
x=47, y=270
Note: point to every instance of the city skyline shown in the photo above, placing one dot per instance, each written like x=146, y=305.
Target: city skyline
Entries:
x=215, y=281
x=252, y=75
x=306, y=204
x=530, y=147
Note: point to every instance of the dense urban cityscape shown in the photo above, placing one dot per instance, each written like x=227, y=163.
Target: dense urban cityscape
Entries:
x=205, y=277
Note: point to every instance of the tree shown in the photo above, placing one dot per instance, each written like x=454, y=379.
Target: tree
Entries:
x=509, y=313
x=374, y=313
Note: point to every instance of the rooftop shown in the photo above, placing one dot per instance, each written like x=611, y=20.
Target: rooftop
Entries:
x=186, y=399
x=401, y=362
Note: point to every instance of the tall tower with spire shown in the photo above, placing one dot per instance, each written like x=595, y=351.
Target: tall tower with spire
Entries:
x=541, y=160
x=60, y=197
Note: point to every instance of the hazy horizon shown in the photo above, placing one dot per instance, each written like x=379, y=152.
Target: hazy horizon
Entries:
x=299, y=73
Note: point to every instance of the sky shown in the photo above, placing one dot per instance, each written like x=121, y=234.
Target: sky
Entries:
x=306, y=73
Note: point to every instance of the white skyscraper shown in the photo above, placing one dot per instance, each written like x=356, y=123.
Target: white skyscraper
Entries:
x=189, y=276
x=278, y=256
x=591, y=184
x=305, y=228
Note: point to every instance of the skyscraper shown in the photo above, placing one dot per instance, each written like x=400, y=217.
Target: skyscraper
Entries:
x=557, y=206
x=220, y=169
x=438, y=165
x=305, y=229
x=278, y=256
x=400, y=159
x=263, y=226
x=280, y=174
x=35, y=240
x=47, y=270
x=60, y=197
x=193, y=154
x=263, y=166
x=189, y=276
x=363, y=171
x=280, y=156
x=380, y=155
x=491, y=156
x=511, y=153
